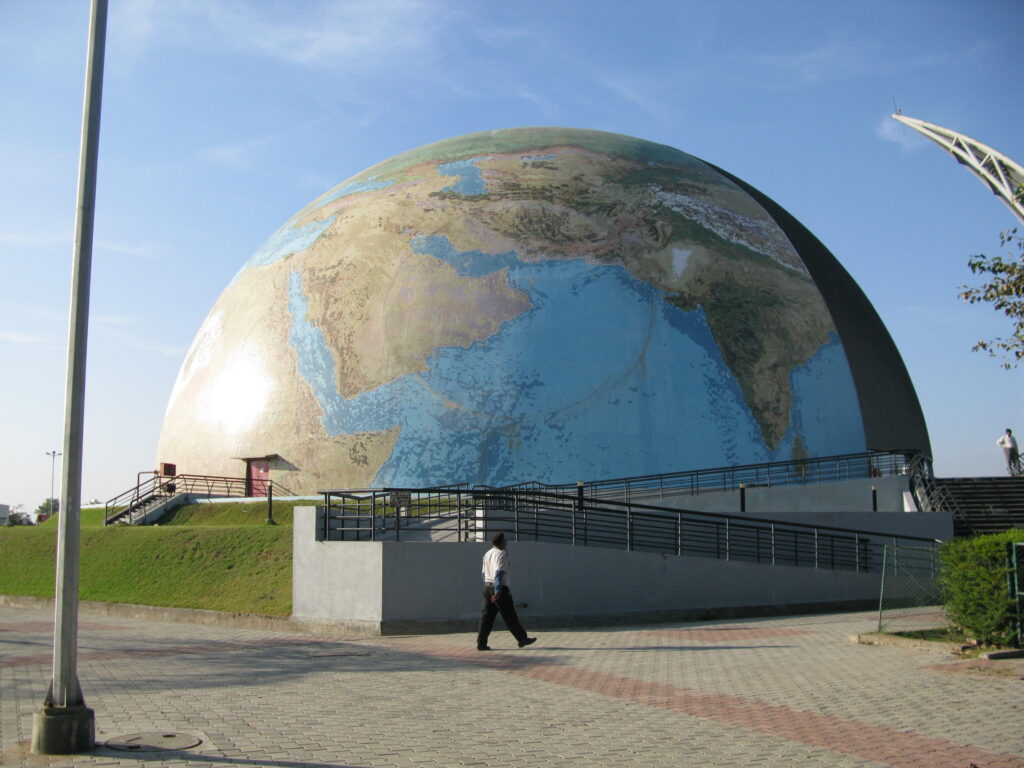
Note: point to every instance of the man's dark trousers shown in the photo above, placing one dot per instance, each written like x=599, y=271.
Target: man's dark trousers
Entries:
x=490, y=610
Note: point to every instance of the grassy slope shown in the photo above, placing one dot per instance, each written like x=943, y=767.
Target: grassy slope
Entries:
x=245, y=567
x=232, y=513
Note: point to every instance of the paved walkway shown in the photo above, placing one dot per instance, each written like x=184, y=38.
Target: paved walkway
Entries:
x=775, y=692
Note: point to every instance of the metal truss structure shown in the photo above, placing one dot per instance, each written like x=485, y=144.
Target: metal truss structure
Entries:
x=1001, y=174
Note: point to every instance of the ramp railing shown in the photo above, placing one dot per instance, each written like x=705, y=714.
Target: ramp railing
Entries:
x=765, y=475
x=530, y=515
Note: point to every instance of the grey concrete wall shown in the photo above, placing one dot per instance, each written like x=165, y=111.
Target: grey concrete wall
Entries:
x=335, y=583
x=399, y=587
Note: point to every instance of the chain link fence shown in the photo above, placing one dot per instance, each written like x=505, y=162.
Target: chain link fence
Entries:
x=909, y=599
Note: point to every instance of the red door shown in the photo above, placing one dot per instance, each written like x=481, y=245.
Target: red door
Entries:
x=257, y=476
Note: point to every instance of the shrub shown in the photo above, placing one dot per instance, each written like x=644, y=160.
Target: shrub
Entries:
x=973, y=580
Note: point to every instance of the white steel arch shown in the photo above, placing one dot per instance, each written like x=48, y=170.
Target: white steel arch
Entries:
x=1001, y=174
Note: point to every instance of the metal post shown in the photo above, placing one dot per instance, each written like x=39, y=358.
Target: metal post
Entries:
x=743, y=497
x=881, y=592
x=270, y=504
x=727, y=536
x=582, y=507
x=874, y=499
x=515, y=515
x=64, y=725
x=773, y=543
x=53, y=465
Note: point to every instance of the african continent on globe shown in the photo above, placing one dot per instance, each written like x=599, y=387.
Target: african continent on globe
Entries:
x=528, y=304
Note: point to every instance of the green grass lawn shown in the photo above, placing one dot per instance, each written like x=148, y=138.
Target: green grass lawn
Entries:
x=232, y=513
x=243, y=567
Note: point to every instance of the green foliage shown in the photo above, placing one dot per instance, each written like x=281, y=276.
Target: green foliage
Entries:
x=244, y=569
x=973, y=580
x=48, y=507
x=1004, y=290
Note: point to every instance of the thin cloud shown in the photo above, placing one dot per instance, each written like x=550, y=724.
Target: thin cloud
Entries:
x=907, y=140
x=237, y=157
x=24, y=339
x=111, y=320
x=114, y=333
x=353, y=33
x=35, y=240
x=629, y=90
x=136, y=250
x=825, y=62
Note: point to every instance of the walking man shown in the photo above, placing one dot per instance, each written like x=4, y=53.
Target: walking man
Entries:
x=1009, y=445
x=497, y=596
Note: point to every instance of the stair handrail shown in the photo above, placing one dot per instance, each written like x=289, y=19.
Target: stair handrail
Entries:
x=166, y=485
x=930, y=495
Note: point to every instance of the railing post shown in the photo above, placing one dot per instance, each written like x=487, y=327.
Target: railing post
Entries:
x=881, y=592
x=727, y=543
x=398, y=523
x=743, y=497
x=629, y=529
x=856, y=552
x=575, y=504
x=815, y=547
x=773, y=543
x=679, y=534
x=458, y=515
x=583, y=508
x=373, y=517
x=515, y=515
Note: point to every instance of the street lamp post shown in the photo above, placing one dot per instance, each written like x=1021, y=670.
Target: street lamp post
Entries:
x=64, y=724
x=53, y=465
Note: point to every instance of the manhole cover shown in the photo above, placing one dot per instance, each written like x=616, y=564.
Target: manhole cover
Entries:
x=155, y=741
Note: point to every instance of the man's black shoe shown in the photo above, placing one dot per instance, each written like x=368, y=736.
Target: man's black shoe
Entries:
x=528, y=641
x=483, y=647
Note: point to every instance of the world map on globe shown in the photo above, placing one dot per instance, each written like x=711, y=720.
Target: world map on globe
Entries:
x=526, y=304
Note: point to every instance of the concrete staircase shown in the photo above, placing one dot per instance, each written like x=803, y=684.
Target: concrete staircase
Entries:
x=986, y=504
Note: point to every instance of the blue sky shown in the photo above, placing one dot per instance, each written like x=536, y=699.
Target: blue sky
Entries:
x=223, y=118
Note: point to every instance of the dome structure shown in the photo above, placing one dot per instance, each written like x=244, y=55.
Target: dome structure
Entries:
x=535, y=304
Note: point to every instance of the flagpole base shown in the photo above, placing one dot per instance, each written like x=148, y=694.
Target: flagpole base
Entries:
x=63, y=730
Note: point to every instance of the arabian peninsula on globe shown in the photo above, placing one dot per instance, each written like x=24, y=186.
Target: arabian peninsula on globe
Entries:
x=527, y=304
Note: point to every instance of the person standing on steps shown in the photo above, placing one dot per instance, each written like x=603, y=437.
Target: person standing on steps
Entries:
x=1009, y=445
x=497, y=597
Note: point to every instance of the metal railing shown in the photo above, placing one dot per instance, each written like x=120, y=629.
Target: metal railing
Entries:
x=158, y=487
x=929, y=494
x=528, y=515
x=766, y=475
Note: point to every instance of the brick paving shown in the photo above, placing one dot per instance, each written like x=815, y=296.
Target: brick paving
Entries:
x=775, y=692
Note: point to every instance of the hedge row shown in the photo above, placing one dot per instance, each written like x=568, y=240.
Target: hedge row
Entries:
x=974, y=583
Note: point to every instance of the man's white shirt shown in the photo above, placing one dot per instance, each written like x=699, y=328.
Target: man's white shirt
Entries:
x=496, y=560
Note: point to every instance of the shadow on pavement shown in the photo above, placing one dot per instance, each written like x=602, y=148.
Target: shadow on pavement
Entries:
x=194, y=758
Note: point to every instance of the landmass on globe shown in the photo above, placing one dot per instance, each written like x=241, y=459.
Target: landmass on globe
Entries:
x=510, y=306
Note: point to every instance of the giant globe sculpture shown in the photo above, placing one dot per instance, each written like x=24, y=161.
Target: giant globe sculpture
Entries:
x=528, y=304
